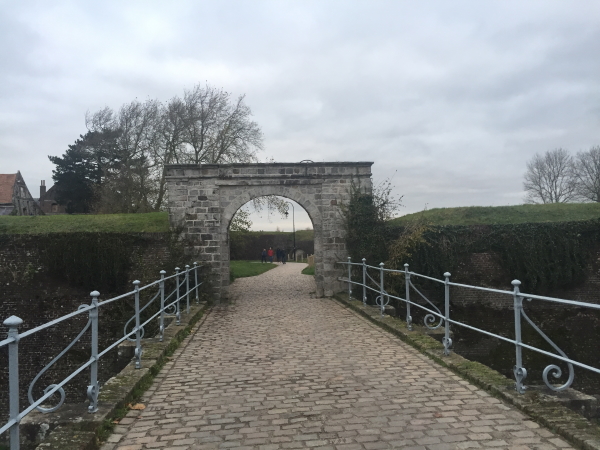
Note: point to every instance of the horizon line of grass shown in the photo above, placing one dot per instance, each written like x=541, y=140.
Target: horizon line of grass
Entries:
x=514, y=214
x=155, y=222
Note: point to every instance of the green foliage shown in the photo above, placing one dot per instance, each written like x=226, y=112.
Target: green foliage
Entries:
x=241, y=221
x=98, y=261
x=157, y=222
x=242, y=269
x=544, y=256
x=487, y=215
x=365, y=218
x=81, y=170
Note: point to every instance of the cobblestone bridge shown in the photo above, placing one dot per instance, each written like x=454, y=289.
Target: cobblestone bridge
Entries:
x=279, y=368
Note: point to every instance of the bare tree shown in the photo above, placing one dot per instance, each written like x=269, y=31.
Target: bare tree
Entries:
x=587, y=174
x=205, y=126
x=549, y=178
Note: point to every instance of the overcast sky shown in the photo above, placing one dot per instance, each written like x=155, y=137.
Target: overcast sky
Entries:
x=449, y=98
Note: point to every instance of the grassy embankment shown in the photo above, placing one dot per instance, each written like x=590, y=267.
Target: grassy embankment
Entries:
x=157, y=222
x=487, y=215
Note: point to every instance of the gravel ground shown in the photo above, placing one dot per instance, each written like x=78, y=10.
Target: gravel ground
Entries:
x=279, y=368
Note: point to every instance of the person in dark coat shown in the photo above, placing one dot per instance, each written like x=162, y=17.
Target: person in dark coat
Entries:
x=263, y=256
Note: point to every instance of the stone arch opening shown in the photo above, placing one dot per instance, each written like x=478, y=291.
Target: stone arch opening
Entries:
x=203, y=199
x=229, y=218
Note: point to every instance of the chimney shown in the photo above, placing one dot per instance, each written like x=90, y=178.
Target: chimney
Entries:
x=43, y=189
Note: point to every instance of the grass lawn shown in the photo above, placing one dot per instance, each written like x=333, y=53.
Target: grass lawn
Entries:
x=309, y=270
x=241, y=269
x=485, y=215
x=157, y=222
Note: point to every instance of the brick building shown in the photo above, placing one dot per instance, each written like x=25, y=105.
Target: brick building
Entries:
x=48, y=202
x=15, y=198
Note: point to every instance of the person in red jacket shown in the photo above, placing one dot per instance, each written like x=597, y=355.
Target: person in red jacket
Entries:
x=270, y=254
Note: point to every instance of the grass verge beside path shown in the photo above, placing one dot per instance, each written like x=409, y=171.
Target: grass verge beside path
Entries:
x=487, y=215
x=242, y=269
x=157, y=222
x=309, y=270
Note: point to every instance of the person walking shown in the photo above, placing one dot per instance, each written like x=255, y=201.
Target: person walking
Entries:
x=263, y=256
x=270, y=254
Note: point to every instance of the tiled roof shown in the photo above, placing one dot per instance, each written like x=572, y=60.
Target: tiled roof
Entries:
x=7, y=182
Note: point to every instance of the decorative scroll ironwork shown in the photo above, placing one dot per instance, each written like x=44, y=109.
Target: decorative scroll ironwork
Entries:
x=552, y=369
x=142, y=331
x=60, y=390
x=429, y=319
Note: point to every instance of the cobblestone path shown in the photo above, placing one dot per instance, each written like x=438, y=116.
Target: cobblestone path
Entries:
x=278, y=368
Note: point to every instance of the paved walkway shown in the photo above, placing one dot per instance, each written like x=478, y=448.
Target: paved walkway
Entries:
x=278, y=368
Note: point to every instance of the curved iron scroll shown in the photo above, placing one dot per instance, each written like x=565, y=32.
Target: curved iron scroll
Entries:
x=130, y=339
x=379, y=301
x=60, y=390
x=429, y=319
x=552, y=369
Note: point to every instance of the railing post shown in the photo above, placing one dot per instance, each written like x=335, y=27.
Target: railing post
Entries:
x=187, y=287
x=161, y=286
x=93, y=389
x=13, y=323
x=364, y=261
x=447, y=341
x=407, y=283
x=177, y=313
x=196, y=279
x=138, y=337
x=349, y=279
x=381, y=287
x=519, y=371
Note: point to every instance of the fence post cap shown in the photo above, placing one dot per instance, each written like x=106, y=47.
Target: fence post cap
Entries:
x=195, y=263
x=136, y=283
x=349, y=258
x=381, y=264
x=405, y=264
x=95, y=294
x=364, y=259
x=447, y=274
x=187, y=266
x=515, y=283
x=163, y=272
x=177, y=269
x=12, y=322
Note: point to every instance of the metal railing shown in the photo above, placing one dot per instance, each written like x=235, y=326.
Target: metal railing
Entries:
x=434, y=314
x=169, y=304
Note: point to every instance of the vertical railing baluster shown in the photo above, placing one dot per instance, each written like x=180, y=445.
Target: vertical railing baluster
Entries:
x=187, y=288
x=447, y=341
x=177, y=313
x=13, y=323
x=138, y=337
x=407, y=283
x=519, y=371
x=161, y=286
x=93, y=389
x=364, y=261
x=381, y=291
x=349, y=279
x=196, y=282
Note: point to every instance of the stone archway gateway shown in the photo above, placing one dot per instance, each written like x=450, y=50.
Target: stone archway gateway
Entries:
x=204, y=197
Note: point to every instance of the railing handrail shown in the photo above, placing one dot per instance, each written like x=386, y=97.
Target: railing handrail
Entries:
x=12, y=341
x=518, y=297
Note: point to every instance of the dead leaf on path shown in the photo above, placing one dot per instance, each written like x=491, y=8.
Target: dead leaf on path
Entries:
x=137, y=406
